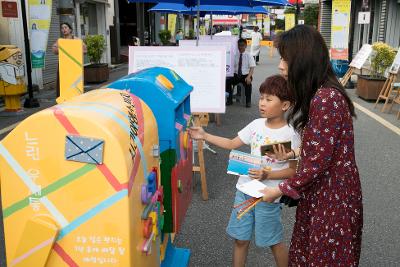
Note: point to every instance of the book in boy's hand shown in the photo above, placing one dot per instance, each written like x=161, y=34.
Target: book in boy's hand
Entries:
x=268, y=149
x=240, y=162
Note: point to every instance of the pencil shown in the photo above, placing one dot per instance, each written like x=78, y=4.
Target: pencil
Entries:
x=240, y=215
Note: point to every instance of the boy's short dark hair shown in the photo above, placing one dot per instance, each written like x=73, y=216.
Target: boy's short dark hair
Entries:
x=242, y=41
x=277, y=85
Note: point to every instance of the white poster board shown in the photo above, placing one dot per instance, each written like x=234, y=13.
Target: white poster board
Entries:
x=233, y=39
x=230, y=54
x=396, y=63
x=201, y=67
x=362, y=55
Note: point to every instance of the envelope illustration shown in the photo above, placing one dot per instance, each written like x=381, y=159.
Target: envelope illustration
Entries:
x=84, y=149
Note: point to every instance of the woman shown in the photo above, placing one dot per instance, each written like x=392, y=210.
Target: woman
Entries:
x=256, y=39
x=66, y=32
x=178, y=36
x=329, y=221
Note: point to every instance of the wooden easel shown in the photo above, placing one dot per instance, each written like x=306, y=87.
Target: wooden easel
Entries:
x=201, y=119
x=347, y=76
x=397, y=100
x=386, y=91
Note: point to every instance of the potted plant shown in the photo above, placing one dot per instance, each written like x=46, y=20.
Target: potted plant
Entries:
x=165, y=36
x=382, y=56
x=96, y=72
x=191, y=34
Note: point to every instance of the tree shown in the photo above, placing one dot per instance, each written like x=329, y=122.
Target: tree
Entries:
x=279, y=24
x=311, y=14
x=290, y=10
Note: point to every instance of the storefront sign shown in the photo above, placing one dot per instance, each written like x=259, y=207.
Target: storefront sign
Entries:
x=9, y=9
x=267, y=26
x=340, y=29
x=172, y=23
x=39, y=24
x=364, y=17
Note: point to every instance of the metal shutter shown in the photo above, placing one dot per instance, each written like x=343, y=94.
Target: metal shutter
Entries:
x=382, y=22
x=392, y=23
x=51, y=60
x=326, y=21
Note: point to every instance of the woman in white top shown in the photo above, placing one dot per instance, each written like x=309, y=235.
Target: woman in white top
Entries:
x=256, y=39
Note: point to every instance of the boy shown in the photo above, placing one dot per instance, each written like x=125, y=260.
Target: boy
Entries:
x=244, y=68
x=265, y=218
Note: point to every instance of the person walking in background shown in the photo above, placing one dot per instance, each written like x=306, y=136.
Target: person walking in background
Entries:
x=66, y=33
x=256, y=39
x=178, y=36
x=329, y=215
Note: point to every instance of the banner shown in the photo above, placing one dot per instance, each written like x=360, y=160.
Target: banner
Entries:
x=289, y=21
x=172, y=23
x=340, y=29
x=267, y=26
x=39, y=24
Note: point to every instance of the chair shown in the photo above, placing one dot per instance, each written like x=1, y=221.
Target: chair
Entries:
x=240, y=95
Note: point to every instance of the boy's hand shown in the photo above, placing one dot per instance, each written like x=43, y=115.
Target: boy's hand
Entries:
x=280, y=153
x=259, y=174
x=271, y=193
x=248, y=79
x=197, y=133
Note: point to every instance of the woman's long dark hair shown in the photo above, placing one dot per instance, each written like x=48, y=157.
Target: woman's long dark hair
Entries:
x=309, y=68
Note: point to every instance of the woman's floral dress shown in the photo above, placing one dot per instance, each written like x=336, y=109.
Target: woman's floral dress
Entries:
x=329, y=216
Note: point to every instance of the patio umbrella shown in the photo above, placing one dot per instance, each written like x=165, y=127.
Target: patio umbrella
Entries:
x=192, y=3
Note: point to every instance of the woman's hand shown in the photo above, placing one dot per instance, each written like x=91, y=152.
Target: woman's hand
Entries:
x=280, y=153
x=197, y=133
x=271, y=193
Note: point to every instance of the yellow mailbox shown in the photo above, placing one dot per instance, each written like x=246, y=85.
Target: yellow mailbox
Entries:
x=12, y=84
x=80, y=184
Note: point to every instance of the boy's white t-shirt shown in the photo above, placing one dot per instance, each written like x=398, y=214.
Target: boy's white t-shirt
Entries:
x=257, y=134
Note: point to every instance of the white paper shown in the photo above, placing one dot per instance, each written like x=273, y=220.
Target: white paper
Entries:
x=252, y=188
x=361, y=56
x=396, y=63
x=230, y=54
x=201, y=67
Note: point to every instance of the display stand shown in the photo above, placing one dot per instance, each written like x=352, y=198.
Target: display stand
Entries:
x=386, y=91
x=397, y=100
x=201, y=119
x=347, y=76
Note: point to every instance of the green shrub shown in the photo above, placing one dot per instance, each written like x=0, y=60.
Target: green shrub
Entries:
x=381, y=58
x=96, y=45
x=192, y=34
x=165, y=36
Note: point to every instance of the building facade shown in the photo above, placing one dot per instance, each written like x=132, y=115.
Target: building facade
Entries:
x=88, y=17
x=383, y=27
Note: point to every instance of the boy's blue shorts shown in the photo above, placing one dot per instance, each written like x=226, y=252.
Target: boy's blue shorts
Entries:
x=265, y=219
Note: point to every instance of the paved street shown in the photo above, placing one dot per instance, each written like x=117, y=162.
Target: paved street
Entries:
x=377, y=153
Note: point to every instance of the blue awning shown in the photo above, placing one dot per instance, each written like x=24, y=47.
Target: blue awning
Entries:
x=192, y=3
x=208, y=9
